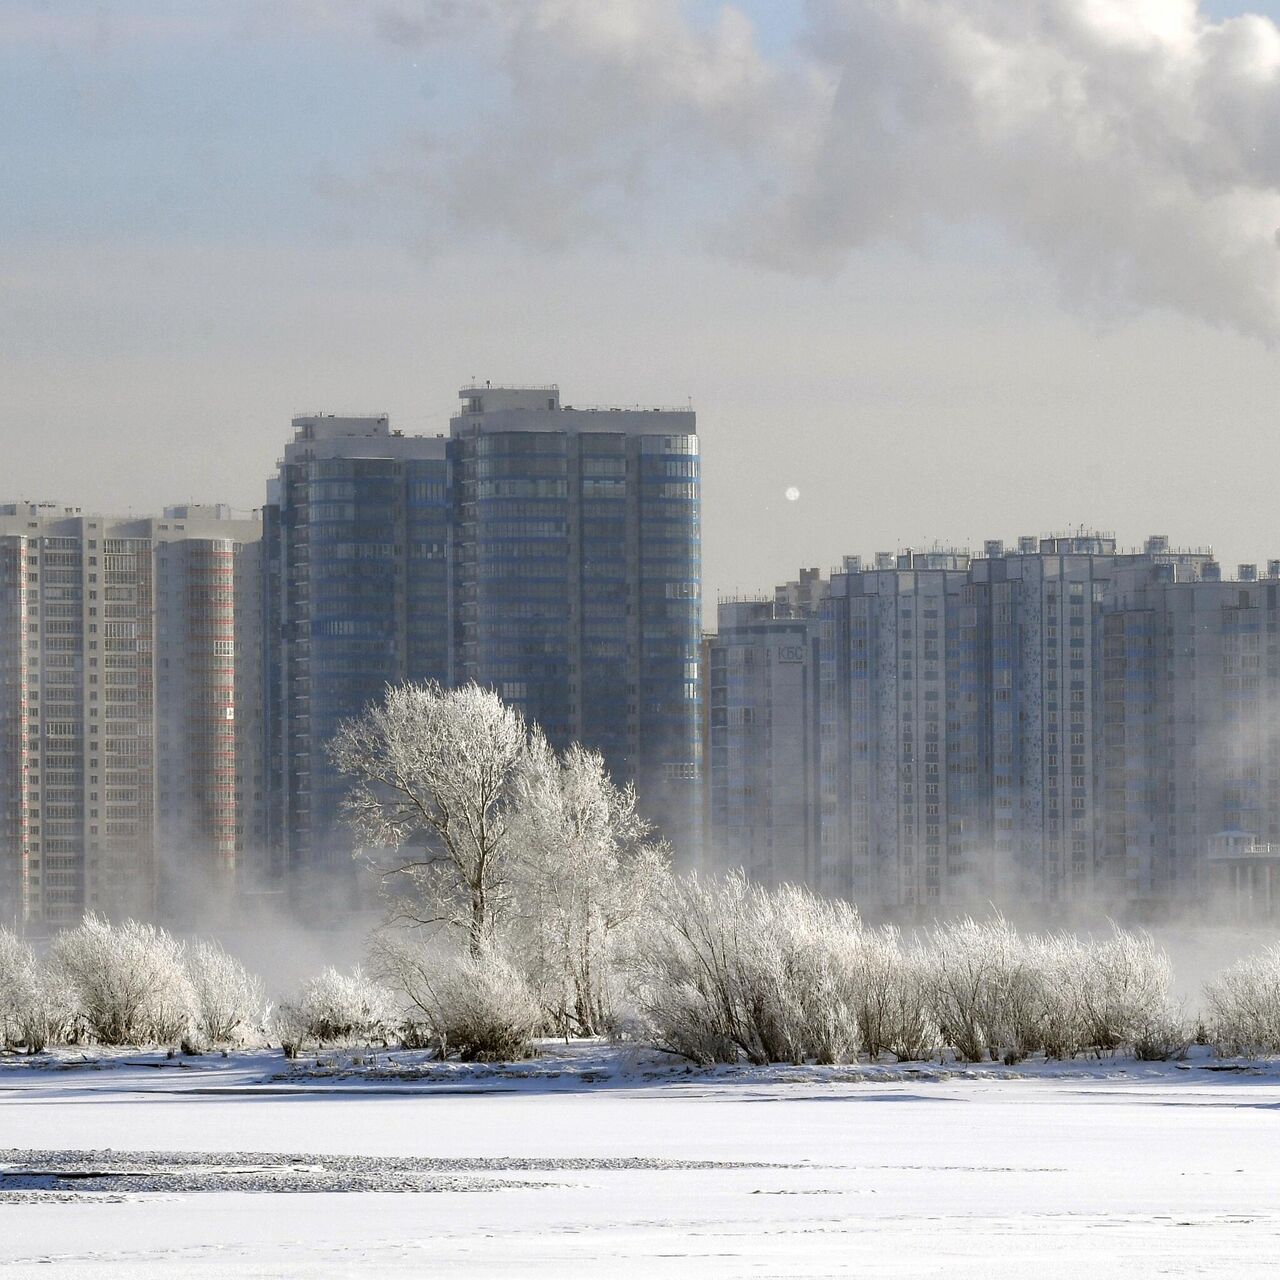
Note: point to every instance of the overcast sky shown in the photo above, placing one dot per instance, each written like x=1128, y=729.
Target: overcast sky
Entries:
x=953, y=269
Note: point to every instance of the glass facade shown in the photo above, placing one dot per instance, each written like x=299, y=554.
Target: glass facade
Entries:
x=577, y=590
x=513, y=572
x=548, y=553
x=356, y=598
x=667, y=676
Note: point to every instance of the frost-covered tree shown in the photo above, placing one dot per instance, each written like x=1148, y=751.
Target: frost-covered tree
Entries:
x=434, y=774
x=587, y=869
x=37, y=1008
x=17, y=978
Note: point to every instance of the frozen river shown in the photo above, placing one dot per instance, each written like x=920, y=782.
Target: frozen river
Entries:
x=1126, y=1170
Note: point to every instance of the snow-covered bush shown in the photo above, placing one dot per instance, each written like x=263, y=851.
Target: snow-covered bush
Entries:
x=723, y=968
x=994, y=993
x=980, y=987
x=1122, y=989
x=695, y=966
x=334, y=1007
x=37, y=1008
x=1003, y=995
x=1064, y=961
x=17, y=977
x=229, y=1002
x=129, y=981
x=1164, y=1038
x=288, y=1025
x=48, y=1015
x=894, y=1008
x=483, y=1009
x=478, y=1005
x=820, y=942
x=1242, y=1006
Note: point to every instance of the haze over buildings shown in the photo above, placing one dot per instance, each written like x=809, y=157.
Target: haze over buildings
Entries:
x=1060, y=724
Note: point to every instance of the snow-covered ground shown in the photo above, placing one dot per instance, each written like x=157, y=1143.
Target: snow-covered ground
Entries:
x=595, y=1161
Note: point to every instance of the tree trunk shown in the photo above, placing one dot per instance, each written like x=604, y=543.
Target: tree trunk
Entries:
x=477, y=932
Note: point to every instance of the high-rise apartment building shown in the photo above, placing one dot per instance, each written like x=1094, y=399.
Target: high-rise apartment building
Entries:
x=118, y=680
x=1044, y=683
x=760, y=764
x=547, y=552
x=209, y=779
x=1191, y=734
x=577, y=581
x=355, y=597
x=898, y=730
x=963, y=717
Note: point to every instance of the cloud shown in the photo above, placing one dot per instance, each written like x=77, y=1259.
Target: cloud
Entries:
x=610, y=113
x=1131, y=145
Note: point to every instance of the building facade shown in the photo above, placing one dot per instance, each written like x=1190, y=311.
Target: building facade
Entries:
x=576, y=582
x=547, y=552
x=355, y=597
x=1191, y=734
x=210, y=783
x=1055, y=724
x=95, y=814
x=760, y=691
x=896, y=804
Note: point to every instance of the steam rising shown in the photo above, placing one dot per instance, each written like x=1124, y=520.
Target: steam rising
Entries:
x=1130, y=145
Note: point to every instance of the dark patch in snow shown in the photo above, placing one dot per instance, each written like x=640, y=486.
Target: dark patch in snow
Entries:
x=108, y=1175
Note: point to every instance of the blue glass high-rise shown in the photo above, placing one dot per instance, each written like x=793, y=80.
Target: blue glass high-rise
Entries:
x=577, y=581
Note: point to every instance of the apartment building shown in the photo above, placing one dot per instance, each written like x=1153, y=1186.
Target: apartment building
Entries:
x=761, y=759
x=548, y=552
x=86, y=699
x=576, y=581
x=355, y=597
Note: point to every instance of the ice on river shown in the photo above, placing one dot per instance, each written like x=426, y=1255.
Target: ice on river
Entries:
x=600, y=1163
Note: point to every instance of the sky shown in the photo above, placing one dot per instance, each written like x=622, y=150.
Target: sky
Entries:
x=952, y=269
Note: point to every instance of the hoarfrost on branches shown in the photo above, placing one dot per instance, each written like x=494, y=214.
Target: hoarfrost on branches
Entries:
x=477, y=1005
x=230, y=1002
x=587, y=869
x=434, y=773
x=130, y=981
x=1242, y=1005
x=335, y=1007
